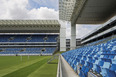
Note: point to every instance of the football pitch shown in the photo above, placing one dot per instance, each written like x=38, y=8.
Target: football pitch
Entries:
x=32, y=66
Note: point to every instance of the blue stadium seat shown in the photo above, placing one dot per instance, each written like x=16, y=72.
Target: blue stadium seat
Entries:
x=99, y=58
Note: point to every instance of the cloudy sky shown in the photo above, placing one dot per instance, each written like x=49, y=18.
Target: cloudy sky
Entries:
x=37, y=9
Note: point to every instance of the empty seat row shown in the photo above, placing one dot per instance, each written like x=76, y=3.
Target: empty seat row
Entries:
x=100, y=59
x=28, y=38
x=5, y=51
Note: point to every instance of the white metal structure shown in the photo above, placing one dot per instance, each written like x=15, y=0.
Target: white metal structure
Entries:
x=29, y=26
x=66, y=8
x=85, y=12
x=102, y=33
x=109, y=21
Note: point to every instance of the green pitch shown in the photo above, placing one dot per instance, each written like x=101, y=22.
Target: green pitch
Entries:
x=34, y=66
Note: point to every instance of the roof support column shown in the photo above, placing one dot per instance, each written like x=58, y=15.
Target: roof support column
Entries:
x=73, y=37
x=62, y=36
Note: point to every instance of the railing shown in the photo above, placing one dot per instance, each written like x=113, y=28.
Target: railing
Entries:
x=59, y=69
x=28, y=43
x=25, y=46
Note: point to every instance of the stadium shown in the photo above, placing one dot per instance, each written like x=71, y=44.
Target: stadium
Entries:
x=39, y=48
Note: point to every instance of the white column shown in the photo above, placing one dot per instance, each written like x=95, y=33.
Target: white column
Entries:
x=73, y=37
x=62, y=36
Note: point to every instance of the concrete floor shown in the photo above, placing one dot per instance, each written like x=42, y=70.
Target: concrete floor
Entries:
x=67, y=71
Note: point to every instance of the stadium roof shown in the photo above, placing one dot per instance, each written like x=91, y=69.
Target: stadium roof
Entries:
x=29, y=26
x=104, y=26
x=87, y=11
x=66, y=8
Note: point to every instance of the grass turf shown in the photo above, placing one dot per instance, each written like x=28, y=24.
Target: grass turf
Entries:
x=35, y=66
x=44, y=72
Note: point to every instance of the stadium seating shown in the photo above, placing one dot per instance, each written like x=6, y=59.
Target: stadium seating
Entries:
x=27, y=51
x=102, y=40
x=28, y=38
x=4, y=38
x=25, y=39
x=52, y=38
x=49, y=51
x=33, y=51
x=100, y=58
x=36, y=38
x=9, y=51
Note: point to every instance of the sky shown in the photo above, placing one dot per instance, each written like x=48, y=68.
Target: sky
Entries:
x=38, y=9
